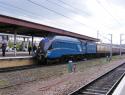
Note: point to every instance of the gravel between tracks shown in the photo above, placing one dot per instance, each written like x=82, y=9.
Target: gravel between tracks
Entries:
x=61, y=85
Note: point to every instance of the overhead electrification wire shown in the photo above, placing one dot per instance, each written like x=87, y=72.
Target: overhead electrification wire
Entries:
x=51, y=10
x=108, y=12
x=71, y=10
x=55, y=3
x=77, y=9
x=21, y=9
x=26, y=11
x=105, y=37
x=4, y=8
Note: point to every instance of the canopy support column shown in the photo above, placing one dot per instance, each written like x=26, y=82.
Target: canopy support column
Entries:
x=15, y=33
x=32, y=44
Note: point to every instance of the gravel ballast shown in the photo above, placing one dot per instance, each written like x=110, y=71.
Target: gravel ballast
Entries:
x=56, y=82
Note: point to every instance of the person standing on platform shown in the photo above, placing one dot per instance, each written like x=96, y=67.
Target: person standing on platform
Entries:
x=29, y=48
x=4, y=46
x=34, y=48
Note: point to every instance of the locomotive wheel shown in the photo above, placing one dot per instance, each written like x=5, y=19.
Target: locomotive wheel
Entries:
x=62, y=60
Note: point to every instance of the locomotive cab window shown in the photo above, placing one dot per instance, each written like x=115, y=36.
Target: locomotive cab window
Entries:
x=50, y=47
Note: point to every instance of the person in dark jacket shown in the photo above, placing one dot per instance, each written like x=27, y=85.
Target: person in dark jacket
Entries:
x=29, y=49
x=34, y=48
x=4, y=45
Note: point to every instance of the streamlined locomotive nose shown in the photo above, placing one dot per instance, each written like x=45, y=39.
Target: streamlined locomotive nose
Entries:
x=41, y=52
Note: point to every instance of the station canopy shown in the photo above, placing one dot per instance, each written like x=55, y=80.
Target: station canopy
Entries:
x=22, y=27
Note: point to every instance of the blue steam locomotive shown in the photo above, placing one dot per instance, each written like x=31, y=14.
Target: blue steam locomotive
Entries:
x=64, y=48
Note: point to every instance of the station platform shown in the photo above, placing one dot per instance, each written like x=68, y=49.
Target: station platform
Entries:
x=15, y=57
x=10, y=60
x=19, y=55
x=120, y=89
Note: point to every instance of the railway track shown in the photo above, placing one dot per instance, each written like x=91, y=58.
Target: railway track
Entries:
x=104, y=85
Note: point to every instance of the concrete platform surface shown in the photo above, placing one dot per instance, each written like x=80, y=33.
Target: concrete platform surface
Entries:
x=11, y=54
x=21, y=59
x=120, y=90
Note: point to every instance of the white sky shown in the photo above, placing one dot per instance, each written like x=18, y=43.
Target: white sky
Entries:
x=84, y=17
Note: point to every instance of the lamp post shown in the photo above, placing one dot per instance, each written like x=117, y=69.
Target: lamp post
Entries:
x=98, y=34
x=121, y=43
x=110, y=46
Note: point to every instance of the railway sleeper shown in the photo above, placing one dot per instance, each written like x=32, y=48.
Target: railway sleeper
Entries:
x=95, y=90
x=90, y=93
x=102, y=88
